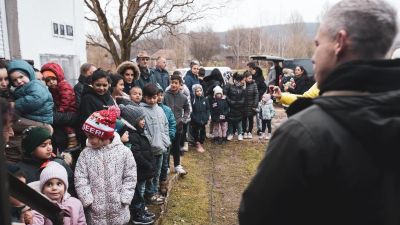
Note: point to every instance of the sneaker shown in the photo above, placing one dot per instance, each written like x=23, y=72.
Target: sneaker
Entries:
x=249, y=136
x=149, y=214
x=268, y=136
x=156, y=199
x=141, y=218
x=245, y=135
x=211, y=136
x=240, y=137
x=185, y=146
x=229, y=138
x=179, y=170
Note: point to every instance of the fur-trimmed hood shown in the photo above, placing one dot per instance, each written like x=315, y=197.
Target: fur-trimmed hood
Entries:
x=128, y=65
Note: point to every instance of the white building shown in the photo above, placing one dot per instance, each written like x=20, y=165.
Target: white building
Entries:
x=43, y=31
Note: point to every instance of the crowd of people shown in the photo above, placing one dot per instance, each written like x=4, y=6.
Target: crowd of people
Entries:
x=109, y=138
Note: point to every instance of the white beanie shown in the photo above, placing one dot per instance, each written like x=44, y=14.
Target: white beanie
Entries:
x=53, y=170
x=217, y=90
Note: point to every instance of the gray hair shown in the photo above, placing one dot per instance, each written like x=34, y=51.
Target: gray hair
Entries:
x=370, y=24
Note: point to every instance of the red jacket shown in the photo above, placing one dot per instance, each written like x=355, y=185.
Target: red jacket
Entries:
x=63, y=95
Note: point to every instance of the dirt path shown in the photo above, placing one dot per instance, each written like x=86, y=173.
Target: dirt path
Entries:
x=220, y=175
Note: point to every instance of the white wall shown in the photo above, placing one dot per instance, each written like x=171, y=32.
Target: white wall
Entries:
x=36, y=29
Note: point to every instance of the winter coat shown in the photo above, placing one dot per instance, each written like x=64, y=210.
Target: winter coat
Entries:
x=171, y=120
x=32, y=100
x=32, y=169
x=156, y=128
x=141, y=149
x=64, y=95
x=251, y=99
x=210, y=82
x=190, y=80
x=92, y=102
x=266, y=110
x=334, y=162
x=219, y=107
x=71, y=205
x=302, y=85
x=146, y=77
x=60, y=121
x=235, y=96
x=105, y=180
x=179, y=105
x=260, y=81
x=201, y=110
x=162, y=77
x=78, y=88
x=121, y=70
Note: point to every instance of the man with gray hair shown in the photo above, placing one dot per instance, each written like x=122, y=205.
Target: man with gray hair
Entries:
x=336, y=162
x=160, y=73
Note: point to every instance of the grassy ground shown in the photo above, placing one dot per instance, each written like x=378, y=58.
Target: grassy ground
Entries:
x=211, y=192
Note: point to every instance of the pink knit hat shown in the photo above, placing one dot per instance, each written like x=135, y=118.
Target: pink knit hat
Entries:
x=53, y=170
x=102, y=123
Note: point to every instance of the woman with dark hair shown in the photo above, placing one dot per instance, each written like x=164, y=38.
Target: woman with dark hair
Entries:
x=117, y=87
x=4, y=82
x=130, y=73
x=211, y=81
x=301, y=82
x=95, y=98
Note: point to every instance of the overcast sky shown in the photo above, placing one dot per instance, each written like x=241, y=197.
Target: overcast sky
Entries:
x=254, y=13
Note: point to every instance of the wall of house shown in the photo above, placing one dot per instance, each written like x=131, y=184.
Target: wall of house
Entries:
x=38, y=22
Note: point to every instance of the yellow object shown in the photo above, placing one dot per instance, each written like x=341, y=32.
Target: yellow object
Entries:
x=288, y=98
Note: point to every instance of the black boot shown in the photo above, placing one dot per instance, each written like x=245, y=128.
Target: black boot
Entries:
x=140, y=217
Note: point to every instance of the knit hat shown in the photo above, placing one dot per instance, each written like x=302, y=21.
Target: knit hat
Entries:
x=197, y=86
x=33, y=137
x=48, y=73
x=217, y=90
x=131, y=114
x=53, y=170
x=102, y=123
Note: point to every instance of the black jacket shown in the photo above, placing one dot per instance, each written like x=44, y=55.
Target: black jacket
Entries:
x=260, y=81
x=144, y=158
x=336, y=162
x=78, y=88
x=302, y=85
x=200, y=110
x=92, y=102
x=251, y=99
x=210, y=82
x=218, y=107
x=60, y=121
x=235, y=98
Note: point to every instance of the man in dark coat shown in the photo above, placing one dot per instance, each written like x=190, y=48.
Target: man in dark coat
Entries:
x=160, y=73
x=146, y=75
x=87, y=70
x=336, y=161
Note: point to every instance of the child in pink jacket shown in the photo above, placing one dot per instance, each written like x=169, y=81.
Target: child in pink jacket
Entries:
x=53, y=184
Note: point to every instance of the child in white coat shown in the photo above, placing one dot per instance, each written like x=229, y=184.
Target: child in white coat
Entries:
x=266, y=112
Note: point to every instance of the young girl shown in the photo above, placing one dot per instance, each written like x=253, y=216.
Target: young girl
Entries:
x=133, y=117
x=266, y=112
x=54, y=185
x=105, y=174
x=199, y=117
x=219, y=111
x=235, y=96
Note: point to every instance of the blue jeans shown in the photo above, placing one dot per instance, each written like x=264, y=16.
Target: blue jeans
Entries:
x=138, y=202
x=165, y=166
x=152, y=184
x=234, y=124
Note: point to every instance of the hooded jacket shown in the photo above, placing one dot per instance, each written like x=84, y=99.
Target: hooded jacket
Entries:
x=105, y=181
x=121, y=70
x=235, y=96
x=156, y=128
x=32, y=100
x=200, y=107
x=64, y=95
x=179, y=105
x=335, y=162
x=92, y=102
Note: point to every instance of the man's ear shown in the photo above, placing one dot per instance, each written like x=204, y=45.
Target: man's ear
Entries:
x=341, y=40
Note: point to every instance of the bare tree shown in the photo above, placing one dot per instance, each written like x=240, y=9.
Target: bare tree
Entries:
x=136, y=18
x=298, y=44
x=204, y=44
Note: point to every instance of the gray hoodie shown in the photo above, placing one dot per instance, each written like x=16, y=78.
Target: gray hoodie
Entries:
x=156, y=128
x=179, y=104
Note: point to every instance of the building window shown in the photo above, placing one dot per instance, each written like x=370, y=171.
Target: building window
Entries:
x=70, y=30
x=55, y=28
x=62, y=29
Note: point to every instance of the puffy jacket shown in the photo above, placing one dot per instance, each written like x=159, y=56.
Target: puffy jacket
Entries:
x=92, y=102
x=235, y=96
x=32, y=100
x=201, y=110
x=190, y=80
x=251, y=99
x=171, y=120
x=72, y=205
x=334, y=162
x=210, y=82
x=179, y=105
x=266, y=110
x=64, y=95
x=162, y=77
x=219, y=107
x=156, y=128
x=105, y=181
x=141, y=149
